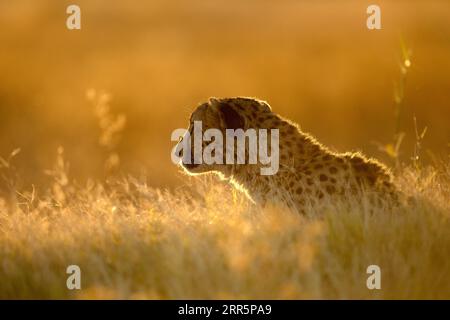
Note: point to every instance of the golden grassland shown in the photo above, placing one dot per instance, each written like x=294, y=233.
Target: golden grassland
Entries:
x=205, y=240
x=315, y=62
x=162, y=236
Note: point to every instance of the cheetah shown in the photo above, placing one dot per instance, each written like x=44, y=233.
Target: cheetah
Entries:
x=308, y=171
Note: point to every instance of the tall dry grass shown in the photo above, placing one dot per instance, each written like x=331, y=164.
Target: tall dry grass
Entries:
x=205, y=240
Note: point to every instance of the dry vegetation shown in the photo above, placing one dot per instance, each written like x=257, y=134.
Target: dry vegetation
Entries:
x=162, y=236
x=208, y=241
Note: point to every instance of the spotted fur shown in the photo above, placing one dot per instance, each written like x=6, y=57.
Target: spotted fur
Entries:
x=309, y=172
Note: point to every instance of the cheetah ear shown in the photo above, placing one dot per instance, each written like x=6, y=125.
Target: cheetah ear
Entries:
x=231, y=118
x=267, y=107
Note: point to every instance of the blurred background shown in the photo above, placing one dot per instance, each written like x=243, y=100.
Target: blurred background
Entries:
x=112, y=93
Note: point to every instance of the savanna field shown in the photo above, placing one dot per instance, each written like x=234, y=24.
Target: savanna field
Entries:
x=132, y=241
x=85, y=171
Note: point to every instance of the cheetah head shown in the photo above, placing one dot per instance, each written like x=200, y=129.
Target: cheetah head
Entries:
x=219, y=114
